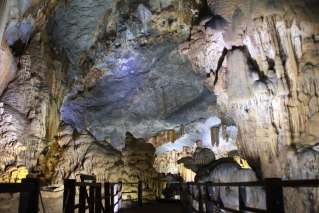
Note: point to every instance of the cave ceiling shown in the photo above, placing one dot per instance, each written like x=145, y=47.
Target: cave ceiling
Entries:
x=127, y=69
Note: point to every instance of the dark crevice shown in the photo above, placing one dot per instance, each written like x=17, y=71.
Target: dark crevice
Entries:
x=204, y=10
x=252, y=63
x=219, y=64
x=18, y=48
x=271, y=63
x=216, y=22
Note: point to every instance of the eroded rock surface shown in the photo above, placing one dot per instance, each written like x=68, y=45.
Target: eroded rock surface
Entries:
x=266, y=74
x=79, y=153
x=144, y=84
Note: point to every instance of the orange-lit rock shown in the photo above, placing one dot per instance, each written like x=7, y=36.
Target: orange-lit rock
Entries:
x=7, y=66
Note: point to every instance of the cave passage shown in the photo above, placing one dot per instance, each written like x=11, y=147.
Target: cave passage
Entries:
x=142, y=97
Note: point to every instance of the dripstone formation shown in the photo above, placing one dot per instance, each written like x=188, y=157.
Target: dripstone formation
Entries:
x=115, y=88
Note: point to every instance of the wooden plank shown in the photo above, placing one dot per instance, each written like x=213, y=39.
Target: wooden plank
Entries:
x=107, y=201
x=238, y=184
x=98, y=199
x=15, y=187
x=112, y=198
x=299, y=183
x=91, y=199
x=82, y=199
x=241, y=198
x=86, y=184
x=69, y=196
x=274, y=195
x=84, y=178
x=29, y=201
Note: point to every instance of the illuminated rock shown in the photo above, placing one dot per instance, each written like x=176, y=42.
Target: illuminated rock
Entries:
x=7, y=67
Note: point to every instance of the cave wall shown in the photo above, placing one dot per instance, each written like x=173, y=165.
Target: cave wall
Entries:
x=264, y=73
x=139, y=66
x=261, y=61
x=32, y=91
x=30, y=108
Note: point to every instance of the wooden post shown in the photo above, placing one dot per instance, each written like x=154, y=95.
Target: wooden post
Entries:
x=112, y=198
x=82, y=199
x=120, y=198
x=140, y=194
x=274, y=195
x=98, y=199
x=107, y=202
x=69, y=196
x=208, y=198
x=184, y=197
x=158, y=188
x=241, y=198
x=189, y=196
x=214, y=134
x=92, y=198
x=200, y=198
x=29, y=201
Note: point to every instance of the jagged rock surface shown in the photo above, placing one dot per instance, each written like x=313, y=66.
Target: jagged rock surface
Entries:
x=29, y=116
x=266, y=79
x=80, y=153
x=267, y=72
x=144, y=84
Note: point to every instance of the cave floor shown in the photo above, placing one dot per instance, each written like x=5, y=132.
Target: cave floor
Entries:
x=155, y=208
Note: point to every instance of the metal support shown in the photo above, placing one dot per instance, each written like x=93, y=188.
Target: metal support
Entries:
x=274, y=195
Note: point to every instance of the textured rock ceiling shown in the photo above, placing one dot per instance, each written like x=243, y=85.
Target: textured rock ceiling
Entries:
x=145, y=84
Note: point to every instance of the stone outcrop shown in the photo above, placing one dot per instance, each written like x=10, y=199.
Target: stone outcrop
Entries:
x=79, y=153
x=227, y=172
x=167, y=163
x=8, y=67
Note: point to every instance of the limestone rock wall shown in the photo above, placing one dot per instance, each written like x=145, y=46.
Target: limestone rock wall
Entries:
x=78, y=152
x=30, y=107
x=265, y=74
x=7, y=66
x=166, y=163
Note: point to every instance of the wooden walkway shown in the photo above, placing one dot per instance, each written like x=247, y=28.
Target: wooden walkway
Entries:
x=155, y=208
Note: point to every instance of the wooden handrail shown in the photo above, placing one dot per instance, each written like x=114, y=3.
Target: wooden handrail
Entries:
x=273, y=188
x=29, y=191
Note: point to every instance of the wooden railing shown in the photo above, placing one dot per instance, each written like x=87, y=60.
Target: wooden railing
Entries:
x=194, y=197
x=90, y=196
x=29, y=191
x=138, y=191
x=273, y=189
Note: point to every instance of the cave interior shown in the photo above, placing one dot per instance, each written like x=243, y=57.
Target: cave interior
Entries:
x=172, y=90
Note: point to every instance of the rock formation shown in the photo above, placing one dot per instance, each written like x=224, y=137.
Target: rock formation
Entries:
x=239, y=75
x=264, y=75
